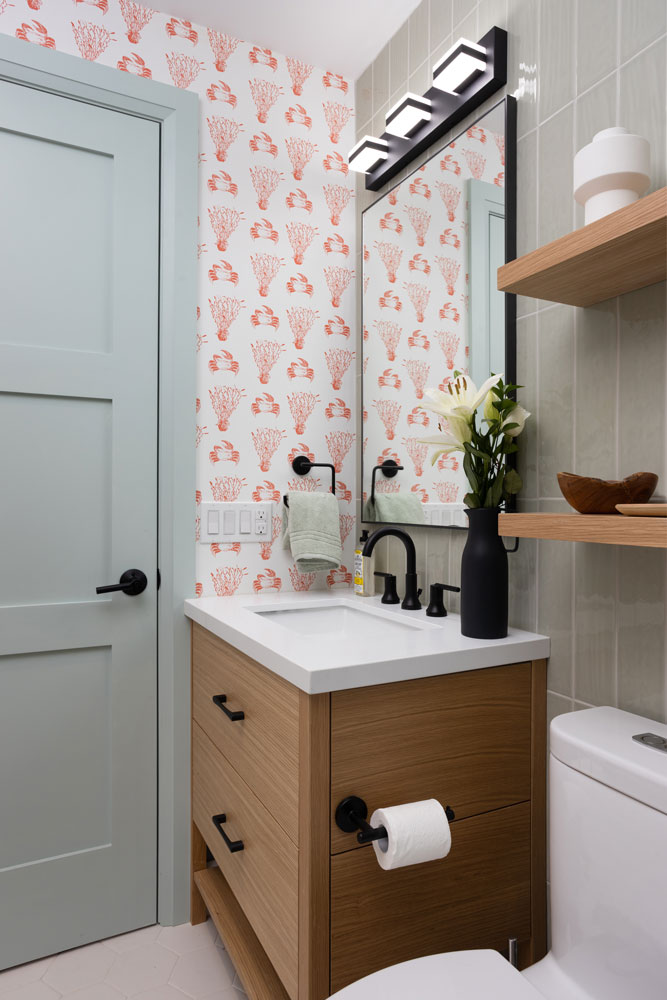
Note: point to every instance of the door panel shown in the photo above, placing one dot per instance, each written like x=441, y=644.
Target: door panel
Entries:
x=79, y=217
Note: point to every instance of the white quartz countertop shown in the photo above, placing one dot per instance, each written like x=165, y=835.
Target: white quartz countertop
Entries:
x=345, y=641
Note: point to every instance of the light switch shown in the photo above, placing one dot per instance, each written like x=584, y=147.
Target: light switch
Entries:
x=233, y=521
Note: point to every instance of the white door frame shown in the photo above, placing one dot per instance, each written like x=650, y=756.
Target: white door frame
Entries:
x=177, y=111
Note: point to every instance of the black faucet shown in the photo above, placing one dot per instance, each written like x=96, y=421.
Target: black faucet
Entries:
x=411, y=600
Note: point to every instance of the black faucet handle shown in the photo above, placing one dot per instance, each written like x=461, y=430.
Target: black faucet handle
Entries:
x=390, y=596
x=436, y=607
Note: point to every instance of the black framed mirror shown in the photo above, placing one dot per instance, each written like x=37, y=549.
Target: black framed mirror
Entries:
x=431, y=246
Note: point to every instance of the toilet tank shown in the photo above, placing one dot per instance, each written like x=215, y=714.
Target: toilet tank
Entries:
x=608, y=855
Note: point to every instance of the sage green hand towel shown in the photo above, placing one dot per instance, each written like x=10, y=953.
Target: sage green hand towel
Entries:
x=311, y=529
x=395, y=508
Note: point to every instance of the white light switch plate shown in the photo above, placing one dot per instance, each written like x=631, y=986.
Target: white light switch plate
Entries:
x=236, y=522
x=445, y=514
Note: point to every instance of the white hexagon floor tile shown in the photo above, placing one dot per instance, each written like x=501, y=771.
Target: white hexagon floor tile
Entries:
x=72, y=970
x=153, y=963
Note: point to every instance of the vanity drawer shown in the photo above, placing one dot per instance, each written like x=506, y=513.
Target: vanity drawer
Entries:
x=263, y=875
x=264, y=746
x=476, y=897
x=463, y=739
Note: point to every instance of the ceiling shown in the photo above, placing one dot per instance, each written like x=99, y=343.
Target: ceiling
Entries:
x=340, y=35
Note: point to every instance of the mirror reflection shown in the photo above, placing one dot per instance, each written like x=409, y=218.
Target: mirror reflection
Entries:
x=431, y=249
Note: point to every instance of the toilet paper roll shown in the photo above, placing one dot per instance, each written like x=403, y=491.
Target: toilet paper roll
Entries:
x=416, y=832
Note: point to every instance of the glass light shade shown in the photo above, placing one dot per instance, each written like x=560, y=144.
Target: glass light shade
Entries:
x=367, y=153
x=459, y=66
x=406, y=116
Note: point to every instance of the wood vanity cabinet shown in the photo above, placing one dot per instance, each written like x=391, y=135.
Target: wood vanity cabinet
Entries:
x=302, y=908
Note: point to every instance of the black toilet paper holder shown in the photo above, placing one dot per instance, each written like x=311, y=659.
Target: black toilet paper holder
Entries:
x=351, y=814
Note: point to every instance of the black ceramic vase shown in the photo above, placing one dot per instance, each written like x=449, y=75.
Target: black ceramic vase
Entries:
x=484, y=578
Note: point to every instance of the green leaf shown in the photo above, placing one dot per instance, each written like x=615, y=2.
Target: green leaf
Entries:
x=494, y=495
x=513, y=482
x=471, y=476
x=471, y=500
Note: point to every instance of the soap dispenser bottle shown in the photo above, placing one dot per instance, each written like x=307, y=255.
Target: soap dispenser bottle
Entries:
x=364, y=581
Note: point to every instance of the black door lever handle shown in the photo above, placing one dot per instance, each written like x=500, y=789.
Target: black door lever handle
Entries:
x=132, y=583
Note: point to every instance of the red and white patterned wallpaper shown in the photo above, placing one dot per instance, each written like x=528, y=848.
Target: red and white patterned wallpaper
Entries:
x=416, y=311
x=275, y=325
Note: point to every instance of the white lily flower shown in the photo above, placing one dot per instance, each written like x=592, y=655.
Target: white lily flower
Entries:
x=516, y=416
x=490, y=411
x=461, y=398
x=453, y=434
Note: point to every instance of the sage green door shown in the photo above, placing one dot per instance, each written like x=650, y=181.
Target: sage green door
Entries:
x=79, y=214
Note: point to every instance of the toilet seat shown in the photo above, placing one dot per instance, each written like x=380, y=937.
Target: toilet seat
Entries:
x=456, y=975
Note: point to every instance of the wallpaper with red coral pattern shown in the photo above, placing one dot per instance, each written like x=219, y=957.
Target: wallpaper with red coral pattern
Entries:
x=275, y=317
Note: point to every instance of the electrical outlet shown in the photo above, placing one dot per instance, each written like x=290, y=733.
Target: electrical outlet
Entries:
x=234, y=522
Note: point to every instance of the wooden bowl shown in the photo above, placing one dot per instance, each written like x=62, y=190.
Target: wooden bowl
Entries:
x=600, y=496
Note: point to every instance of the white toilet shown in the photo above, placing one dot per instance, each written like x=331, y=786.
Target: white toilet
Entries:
x=608, y=851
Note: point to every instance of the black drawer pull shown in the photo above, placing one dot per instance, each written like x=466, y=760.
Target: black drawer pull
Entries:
x=233, y=845
x=219, y=700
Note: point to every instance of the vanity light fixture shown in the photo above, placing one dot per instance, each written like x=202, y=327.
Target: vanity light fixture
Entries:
x=367, y=153
x=459, y=66
x=462, y=80
x=407, y=116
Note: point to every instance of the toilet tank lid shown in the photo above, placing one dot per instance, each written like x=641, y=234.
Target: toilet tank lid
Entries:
x=598, y=742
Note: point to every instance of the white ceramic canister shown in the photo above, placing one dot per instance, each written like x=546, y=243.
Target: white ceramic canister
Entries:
x=611, y=172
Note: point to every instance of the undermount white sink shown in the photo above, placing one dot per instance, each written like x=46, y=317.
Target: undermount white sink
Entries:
x=321, y=641
x=339, y=619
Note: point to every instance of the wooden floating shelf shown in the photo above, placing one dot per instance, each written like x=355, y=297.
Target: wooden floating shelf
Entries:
x=620, y=253
x=609, y=529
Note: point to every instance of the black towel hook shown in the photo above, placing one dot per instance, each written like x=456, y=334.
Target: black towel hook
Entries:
x=302, y=466
x=389, y=468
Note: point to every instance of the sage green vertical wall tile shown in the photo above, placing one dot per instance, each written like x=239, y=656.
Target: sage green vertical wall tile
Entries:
x=522, y=569
x=418, y=25
x=642, y=104
x=467, y=28
x=462, y=9
x=597, y=34
x=642, y=412
x=641, y=632
x=398, y=64
x=420, y=79
x=526, y=216
x=437, y=558
x=523, y=60
x=557, y=705
x=555, y=331
x=363, y=100
x=491, y=14
x=554, y=612
x=381, y=79
x=641, y=24
x=556, y=60
x=595, y=399
x=595, y=621
x=554, y=195
x=440, y=19
x=526, y=366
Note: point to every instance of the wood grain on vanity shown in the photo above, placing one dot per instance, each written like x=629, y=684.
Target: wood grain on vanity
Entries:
x=317, y=910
